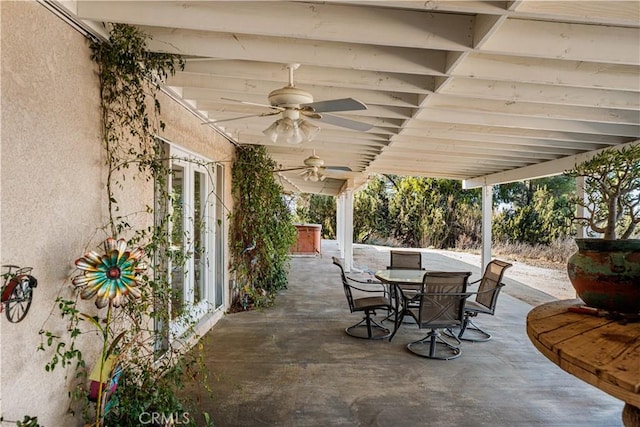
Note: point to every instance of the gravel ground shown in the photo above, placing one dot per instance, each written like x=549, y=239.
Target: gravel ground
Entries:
x=552, y=282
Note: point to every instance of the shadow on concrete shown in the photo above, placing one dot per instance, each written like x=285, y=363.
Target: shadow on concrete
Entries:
x=293, y=365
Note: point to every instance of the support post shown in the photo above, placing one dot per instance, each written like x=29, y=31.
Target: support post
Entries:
x=487, y=212
x=340, y=223
x=348, y=230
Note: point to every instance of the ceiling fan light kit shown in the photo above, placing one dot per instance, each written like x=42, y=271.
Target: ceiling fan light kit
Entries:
x=293, y=131
x=313, y=175
x=290, y=127
x=309, y=130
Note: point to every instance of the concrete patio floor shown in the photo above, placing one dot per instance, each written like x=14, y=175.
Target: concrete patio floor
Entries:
x=293, y=365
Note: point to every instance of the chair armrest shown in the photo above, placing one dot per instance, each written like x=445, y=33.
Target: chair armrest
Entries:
x=500, y=286
x=382, y=289
x=365, y=281
x=368, y=282
x=474, y=282
x=480, y=280
x=408, y=295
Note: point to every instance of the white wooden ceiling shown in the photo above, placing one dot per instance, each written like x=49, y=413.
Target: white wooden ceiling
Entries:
x=480, y=91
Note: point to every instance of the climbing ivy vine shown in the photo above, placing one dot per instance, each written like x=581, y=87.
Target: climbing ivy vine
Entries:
x=130, y=79
x=262, y=229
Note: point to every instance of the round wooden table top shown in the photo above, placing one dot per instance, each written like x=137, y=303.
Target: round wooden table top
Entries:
x=600, y=351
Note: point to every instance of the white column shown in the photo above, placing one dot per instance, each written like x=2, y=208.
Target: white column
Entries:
x=348, y=230
x=487, y=212
x=340, y=223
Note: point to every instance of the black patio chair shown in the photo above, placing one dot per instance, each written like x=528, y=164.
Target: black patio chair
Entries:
x=485, y=301
x=440, y=306
x=367, y=328
x=403, y=260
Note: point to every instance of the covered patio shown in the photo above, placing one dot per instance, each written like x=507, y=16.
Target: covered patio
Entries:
x=483, y=92
x=293, y=365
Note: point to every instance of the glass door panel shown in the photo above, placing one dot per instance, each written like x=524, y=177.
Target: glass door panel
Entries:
x=219, y=238
x=177, y=240
x=199, y=236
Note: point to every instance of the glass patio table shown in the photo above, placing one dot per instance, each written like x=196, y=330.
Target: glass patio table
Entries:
x=410, y=280
x=409, y=277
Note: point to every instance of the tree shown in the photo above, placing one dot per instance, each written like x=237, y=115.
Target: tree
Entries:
x=371, y=216
x=535, y=211
x=433, y=212
x=318, y=209
x=518, y=194
x=612, y=189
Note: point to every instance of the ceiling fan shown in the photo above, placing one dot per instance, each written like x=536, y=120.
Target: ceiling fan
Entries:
x=295, y=104
x=314, y=167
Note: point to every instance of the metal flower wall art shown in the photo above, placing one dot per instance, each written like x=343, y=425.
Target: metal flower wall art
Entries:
x=112, y=276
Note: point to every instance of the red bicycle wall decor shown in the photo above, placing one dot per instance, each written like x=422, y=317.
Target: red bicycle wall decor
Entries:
x=17, y=292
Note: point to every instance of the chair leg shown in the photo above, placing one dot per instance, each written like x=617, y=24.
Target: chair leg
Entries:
x=368, y=328
x=396, y=324
x=392, y=310
x=476, y=334
x=450, y=333
x=390, y=314
x=434, y=347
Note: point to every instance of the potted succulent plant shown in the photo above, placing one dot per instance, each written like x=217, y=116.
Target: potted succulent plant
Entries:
x=606, y=271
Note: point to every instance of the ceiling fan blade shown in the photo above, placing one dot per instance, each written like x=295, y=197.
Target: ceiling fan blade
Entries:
x=344, y=104
x=240, y=117
x=345, y=123
x=291, y=169
x=254, y=104
x=337, y=168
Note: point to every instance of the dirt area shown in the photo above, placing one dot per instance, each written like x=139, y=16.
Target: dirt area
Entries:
x=551, y=281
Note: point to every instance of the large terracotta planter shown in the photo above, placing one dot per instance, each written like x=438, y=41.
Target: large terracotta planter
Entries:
x=606, y=274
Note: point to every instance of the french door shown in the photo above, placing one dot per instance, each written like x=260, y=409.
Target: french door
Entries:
x=192, y=236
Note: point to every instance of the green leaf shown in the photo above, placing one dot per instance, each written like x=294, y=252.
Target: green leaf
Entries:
x=95, y=321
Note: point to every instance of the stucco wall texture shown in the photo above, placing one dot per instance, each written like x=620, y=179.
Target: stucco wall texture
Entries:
x=52, y=191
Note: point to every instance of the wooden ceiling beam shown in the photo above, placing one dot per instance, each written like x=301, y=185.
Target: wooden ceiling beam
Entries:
x=550, y=72
x=384, y=26
x=567, y=41
x=543, y=93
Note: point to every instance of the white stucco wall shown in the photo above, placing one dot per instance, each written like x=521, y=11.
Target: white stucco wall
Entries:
x=52, y=197
x=52, y=188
